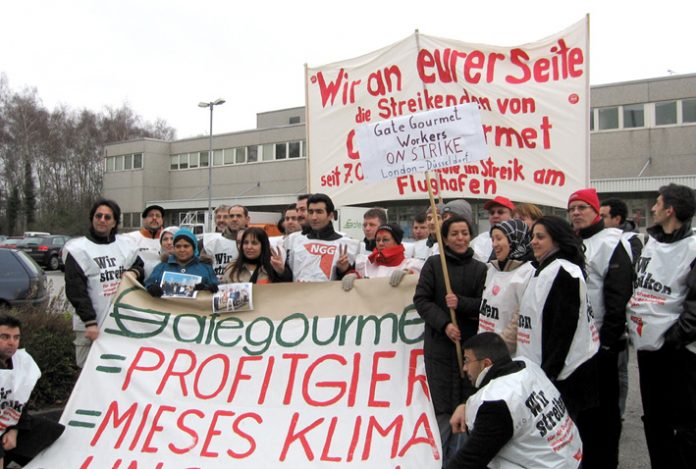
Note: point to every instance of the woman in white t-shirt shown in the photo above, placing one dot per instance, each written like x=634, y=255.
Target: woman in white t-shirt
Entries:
x=507, y=278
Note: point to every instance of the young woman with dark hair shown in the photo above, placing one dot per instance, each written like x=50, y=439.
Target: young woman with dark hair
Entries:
x=257, y=262
x=556, y=328
x=467, y=276
x=507, y=279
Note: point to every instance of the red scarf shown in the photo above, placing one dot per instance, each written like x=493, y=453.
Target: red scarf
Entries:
x=390, y=257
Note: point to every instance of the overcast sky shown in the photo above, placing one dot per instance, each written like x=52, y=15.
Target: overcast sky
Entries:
x=162, y=57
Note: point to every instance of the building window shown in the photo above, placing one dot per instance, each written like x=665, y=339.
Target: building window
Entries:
x=174, y=162
x=633, y=116
x=119, y=163
x=110, y=164
x=240, y=155
x=137, y=161
x=267, y=154
x=229, y=156
x=689, y=110
x=281, y=151
x=294, y=149
x=193, y=160
x=294, y=120
x=252, y=153
x=203, y=159
x=127, y=162
x=666, y=113
x=609, y=118
x=217, y=158
x=304, y=149
x=592, y=119
x=183, y=161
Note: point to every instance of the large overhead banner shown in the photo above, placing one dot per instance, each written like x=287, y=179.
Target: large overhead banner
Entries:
x=313, y=377
x=533, y=100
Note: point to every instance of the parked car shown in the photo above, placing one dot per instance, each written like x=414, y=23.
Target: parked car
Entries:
x=10, y=242
x=22, y=282
x=44, y=249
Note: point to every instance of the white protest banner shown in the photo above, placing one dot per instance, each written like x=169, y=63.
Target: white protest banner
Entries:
x=533, y=99
x=337, y=381
x=421, y=142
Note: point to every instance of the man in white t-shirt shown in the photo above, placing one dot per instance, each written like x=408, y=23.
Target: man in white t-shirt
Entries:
x=319, y=253
x=147, y=238
x=221, y=248
x=662, y=327
x=23, y=437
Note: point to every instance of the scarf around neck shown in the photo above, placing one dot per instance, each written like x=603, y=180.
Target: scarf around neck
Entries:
x=390, y=257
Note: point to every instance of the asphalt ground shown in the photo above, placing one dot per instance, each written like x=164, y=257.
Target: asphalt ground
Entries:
x=633, y=453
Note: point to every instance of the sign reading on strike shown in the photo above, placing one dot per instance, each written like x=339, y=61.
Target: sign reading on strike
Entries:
x=421, y=142
x=170, y=385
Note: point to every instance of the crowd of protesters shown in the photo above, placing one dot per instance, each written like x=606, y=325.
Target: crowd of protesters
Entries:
x=554, y=301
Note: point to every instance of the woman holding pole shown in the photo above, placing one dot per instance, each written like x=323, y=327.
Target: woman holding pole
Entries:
x=433, y=302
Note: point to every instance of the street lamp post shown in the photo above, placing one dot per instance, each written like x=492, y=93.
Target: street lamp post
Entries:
x=210, y=105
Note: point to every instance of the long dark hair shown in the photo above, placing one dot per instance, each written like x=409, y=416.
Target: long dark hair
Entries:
x=264, y=259
x=569, y=244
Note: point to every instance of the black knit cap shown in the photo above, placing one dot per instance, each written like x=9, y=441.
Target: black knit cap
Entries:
x=395, y=230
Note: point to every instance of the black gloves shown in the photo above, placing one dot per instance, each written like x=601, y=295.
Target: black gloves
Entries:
x=203, y=286
x=155, y=290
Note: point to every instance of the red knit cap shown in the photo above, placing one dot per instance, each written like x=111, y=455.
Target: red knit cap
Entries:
x=589, y=196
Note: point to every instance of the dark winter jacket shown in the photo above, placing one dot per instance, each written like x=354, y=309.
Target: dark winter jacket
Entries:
x=467, y=278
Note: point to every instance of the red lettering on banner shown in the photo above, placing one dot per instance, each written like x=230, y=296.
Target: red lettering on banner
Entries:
x=222, y=376
x=112, y=412
x=136, y=366
x=188, y=430
x=445, y=62
x=331, y=89
x=266, y=380
x=294, y=435
x=564, y=64
x=239, y=374
x=212, y=432
x=339, y=385
x=457, y=183
x=294, y=358
x=252, y=443
x=414, y=378
x=327, y=443
x=354, y=439
x=363, y=115
x=377, y=377
x=141, y=427
x=350, y=149
x=372, y=424
x=549, y=177
x=353, y=392
x=525, y=138
x=180, y=374
x=385, y=81
x=155, y=428
x=428, y=439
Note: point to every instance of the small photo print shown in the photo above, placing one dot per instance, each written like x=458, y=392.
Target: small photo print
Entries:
x=176, y=285
x=233, y=297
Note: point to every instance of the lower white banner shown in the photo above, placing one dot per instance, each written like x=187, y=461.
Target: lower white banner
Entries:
x=313, y=377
